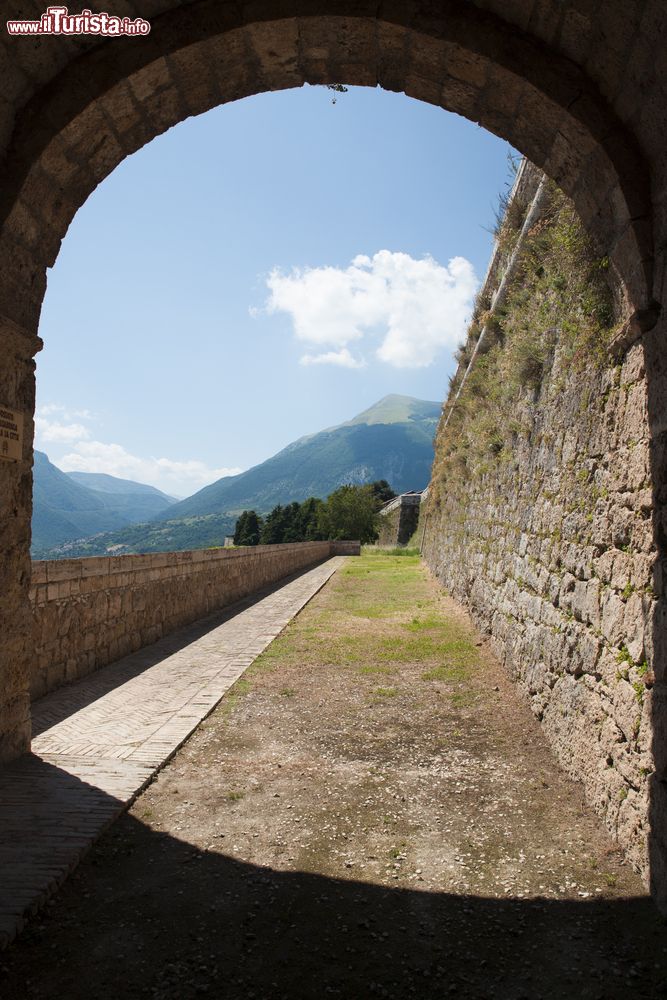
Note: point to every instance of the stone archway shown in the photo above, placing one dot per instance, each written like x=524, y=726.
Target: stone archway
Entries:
x=580, y=92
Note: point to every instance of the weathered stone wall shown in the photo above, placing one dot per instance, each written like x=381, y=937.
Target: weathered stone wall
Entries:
x=398, y=525
x=17, y=391
x=89, y=612
x=540, y=519
x=389, y=526
x=565, y=588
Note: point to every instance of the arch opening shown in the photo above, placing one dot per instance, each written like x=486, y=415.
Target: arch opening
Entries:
x=110, y=99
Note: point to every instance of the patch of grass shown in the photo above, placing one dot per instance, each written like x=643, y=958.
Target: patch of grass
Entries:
x=369, y=610
x=233, y=696
x=419, y=624
x=434, y=645
x=462, y=699
x=446, y=673
x=380, y=616
x=234, y=796
x=399, y=551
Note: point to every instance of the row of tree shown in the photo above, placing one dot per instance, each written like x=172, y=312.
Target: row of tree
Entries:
x=348, y=512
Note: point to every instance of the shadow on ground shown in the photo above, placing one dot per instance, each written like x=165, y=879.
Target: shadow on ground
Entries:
x=147, y=915
x=68, y=699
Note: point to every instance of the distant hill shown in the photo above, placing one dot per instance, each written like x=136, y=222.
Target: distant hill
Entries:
x=103, y=483
x=80, y=504
x=391, y=440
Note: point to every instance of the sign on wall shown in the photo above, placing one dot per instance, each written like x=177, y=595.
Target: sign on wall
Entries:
x=11, y=434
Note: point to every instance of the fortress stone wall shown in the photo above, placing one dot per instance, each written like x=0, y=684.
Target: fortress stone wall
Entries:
x=545, y=517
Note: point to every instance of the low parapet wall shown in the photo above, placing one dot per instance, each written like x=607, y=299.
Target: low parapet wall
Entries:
x=90, y=612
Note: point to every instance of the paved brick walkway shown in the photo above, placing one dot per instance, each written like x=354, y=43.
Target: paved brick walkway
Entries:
x=97, y=743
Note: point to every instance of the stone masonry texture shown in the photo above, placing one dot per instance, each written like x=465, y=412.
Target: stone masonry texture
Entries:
x=398, y=525
x=551, y=533
x=99, y=741
x=579, y=88
x=90, y=612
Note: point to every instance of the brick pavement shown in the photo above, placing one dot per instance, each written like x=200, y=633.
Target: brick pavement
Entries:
x=97, y=743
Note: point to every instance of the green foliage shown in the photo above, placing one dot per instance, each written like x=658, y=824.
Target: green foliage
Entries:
x=248, y=529
x=393, y=552
x=623, y=656
x=382, y=492
x=555, y=323
x=350, y=512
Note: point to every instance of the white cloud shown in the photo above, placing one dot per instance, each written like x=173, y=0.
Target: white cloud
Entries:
x=55, y=432
x=165, y=473
x=415, y=308
x=66, y=429
x=49, y=408
x=88, y=455
x=343, y=358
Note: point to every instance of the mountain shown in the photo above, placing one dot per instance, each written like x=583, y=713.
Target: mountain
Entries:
x=392, y=440
x=395, y=409
x=68, y=507
x=111, y=484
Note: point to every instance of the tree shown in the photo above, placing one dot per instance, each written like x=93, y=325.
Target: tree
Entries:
x=382, y=492
x=350, y=512
x=309, y=526
x=278, y=524
x=248, y=528
x=292, y=523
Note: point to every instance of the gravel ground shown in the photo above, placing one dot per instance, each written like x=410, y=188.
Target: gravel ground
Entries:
x=372, y=811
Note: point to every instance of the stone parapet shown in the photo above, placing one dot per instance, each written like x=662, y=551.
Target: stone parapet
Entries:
x=90, y=612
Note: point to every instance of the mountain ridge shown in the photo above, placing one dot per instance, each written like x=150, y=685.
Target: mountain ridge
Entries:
x=366, y=448
x=102, y=482
x=392, y=440
x=65, y=509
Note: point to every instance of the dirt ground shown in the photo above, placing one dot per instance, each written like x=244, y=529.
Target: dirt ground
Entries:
x=370, y=812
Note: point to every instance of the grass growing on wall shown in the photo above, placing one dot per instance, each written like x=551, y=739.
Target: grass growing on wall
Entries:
x=560, y=304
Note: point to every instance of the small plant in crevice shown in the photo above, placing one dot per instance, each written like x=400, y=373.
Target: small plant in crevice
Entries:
x=624, y=656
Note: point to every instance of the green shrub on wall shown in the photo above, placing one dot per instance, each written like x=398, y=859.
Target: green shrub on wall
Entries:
x=559, y=304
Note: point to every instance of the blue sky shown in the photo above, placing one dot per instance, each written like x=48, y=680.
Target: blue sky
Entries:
x=261, y=272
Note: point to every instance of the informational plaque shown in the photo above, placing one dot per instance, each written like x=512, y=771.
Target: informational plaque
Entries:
x=11, y=434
